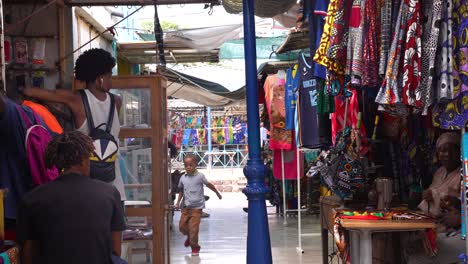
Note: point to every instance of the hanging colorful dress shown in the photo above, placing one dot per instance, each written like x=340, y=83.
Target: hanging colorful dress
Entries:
x=280, y=138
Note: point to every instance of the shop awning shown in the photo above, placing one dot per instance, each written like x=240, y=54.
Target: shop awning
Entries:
x=144, y=52
x=295, y=41
x=203, y=92
x=137, y=2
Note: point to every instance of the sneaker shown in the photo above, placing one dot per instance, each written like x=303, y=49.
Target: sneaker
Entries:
x=205, y=215
x=187, y=243
x=196, y=251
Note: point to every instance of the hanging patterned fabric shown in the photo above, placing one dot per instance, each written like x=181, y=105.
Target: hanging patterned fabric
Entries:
x=354, y=64
x=321, y=54
x=337, y=52
x=445, y=56
x=451, y=114
x=432, y=9
x=385, y=34
x=371, y=53
x=320, y=14
x=412, y=61
x=460, y=44
x=389, y=93
x=407, y=40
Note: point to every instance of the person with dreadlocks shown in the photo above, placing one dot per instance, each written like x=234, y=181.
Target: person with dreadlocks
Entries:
x=74, y=219
x=93, y=67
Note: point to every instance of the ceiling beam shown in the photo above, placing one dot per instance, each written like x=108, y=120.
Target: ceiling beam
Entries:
x=137, y=2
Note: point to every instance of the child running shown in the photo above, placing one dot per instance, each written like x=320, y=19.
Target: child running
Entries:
x=191, y=189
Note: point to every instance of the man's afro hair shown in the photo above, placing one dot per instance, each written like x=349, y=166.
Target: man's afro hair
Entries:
x=93, y=63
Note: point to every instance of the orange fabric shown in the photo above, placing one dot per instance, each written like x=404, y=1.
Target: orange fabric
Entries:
x=47, y=116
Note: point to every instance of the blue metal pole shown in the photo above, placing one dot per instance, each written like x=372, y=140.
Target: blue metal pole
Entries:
x=209, y=128
x=258, y=236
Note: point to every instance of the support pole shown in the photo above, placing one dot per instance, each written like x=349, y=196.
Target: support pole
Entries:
x=210, y=157
x=285, y=220
x=258, y=234
x=464, y=146
x=299, y=213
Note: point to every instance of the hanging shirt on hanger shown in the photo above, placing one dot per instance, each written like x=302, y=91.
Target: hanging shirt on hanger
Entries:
x=292, y=83
x=280, y=138
x=307, y=105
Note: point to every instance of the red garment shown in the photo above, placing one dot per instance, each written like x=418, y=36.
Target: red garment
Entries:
x=352, y=118
x=290, y=164
x=412, y=62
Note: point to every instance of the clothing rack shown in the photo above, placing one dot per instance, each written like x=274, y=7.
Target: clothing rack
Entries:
x=299, y=216
x=298, y=210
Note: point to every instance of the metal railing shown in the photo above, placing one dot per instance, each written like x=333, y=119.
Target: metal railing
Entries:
x=221, y=156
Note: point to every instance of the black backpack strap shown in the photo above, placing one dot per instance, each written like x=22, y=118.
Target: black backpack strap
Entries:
x=111, y=114
x=89, y=116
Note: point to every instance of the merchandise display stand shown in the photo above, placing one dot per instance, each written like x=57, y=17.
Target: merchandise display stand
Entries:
x=299, y=210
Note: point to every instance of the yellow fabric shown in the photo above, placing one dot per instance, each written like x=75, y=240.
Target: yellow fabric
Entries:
x=321, y=53
x=324, y=191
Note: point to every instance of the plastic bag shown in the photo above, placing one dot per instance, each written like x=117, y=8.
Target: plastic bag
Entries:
x=38, y=49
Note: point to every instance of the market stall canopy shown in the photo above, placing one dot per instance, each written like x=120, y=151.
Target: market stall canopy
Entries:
x=295, y=41
x=135, y=2
x=203, y=39
x=144, y=52
x=203, y=92
x=289, y=18
x=263, y=8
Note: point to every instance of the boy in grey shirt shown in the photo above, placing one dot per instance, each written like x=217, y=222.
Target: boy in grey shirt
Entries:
x=191, y=189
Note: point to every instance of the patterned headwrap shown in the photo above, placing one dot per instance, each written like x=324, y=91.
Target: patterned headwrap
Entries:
x=449, y=137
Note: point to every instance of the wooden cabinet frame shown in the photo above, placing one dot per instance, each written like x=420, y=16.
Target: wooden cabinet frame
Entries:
x=160, y=179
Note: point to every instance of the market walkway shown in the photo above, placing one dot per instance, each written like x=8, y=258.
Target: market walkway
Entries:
x=223, y=236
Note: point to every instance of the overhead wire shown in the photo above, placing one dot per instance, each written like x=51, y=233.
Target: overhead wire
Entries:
x=109, y=29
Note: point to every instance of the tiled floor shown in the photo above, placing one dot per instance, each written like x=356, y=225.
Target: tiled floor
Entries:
x=223, y=236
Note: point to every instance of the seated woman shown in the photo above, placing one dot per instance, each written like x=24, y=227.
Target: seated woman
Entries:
x=446, y=180
x=449, y=244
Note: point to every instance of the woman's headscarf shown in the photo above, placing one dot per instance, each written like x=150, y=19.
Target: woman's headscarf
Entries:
x=449, y=137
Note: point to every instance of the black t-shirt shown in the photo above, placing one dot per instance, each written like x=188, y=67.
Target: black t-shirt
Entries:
x=72, y=218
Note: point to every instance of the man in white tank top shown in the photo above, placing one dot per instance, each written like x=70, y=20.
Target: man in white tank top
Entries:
x=94, y=67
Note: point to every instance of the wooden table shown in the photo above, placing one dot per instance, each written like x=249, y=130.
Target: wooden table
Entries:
x=361, y=234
